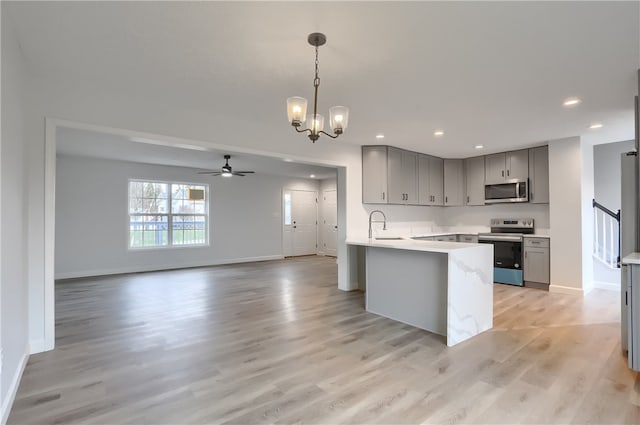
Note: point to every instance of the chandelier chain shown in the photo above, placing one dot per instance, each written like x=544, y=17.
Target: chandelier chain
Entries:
x=316, y=80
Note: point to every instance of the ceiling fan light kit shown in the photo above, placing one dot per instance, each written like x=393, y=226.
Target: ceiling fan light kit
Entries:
x=297, y=106
x=226, y=170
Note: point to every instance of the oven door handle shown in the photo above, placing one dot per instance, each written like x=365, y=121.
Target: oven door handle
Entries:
x=500, y=238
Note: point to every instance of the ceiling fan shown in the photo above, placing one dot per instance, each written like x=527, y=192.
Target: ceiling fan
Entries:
x=226, y=170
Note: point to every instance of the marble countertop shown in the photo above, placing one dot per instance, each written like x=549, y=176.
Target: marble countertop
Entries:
x=633, y=258
x=413, y=245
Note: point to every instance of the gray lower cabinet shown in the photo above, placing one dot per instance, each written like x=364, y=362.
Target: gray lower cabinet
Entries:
x=536, y=260
x=474, y=180
x=468, y=238
x=453, y=182
x=539, y=175
x=374, y=175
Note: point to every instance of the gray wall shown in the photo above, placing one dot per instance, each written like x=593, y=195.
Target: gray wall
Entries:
x=245, y=217
x=606, y=169
x=607, y=191
x=13, y=229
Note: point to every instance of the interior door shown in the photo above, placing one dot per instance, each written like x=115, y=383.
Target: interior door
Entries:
x=330, y=222
x=300, y=222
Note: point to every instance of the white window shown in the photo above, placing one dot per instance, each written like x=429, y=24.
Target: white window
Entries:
x=167, y=214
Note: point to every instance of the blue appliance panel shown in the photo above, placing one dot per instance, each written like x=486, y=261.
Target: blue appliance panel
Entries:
x=508, y=276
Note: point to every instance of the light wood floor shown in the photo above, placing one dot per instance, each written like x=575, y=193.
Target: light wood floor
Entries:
x=277, y=342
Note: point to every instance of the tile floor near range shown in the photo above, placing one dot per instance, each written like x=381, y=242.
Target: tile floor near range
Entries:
x=277, y=342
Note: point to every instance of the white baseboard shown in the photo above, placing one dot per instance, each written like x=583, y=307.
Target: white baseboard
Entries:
x=13, y=389
x=610, y=286
x=566, y=290
x=140, y=269
x=38, y=346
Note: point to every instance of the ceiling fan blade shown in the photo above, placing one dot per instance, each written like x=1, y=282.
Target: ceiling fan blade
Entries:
x=245, y=172
x=238, y=174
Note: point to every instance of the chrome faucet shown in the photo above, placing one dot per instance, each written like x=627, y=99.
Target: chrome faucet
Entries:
x=384, y=221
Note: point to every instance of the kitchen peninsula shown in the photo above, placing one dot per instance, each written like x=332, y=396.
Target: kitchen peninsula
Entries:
x=442, y=287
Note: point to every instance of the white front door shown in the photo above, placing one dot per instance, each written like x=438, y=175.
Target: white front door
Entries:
x=300, y=222
x=330, y=222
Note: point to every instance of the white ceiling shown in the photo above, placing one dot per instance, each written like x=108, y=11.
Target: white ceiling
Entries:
x=71, y=141
x=486, y=73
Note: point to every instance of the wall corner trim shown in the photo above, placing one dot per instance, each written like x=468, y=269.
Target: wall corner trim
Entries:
x=13, y=390
x=38, y=346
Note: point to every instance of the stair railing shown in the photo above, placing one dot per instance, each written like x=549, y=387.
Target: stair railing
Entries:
x=606, y=235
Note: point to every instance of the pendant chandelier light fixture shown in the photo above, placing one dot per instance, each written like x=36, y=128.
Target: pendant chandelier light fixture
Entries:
x=297, y=106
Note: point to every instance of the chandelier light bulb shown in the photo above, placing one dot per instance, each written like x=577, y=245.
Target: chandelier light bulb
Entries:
x=338, y=118
x=316, y=124
x=296, y=110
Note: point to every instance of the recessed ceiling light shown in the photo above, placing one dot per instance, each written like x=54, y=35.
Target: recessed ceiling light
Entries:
x=380, y=136
x=571, y=102
x=313, y=176
x=595, y=126
x=438, y=133
x=479, y=146
x=288, y=160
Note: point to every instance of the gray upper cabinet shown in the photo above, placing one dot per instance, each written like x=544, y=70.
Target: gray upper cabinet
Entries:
x=505, y=166
x=402, y=176
x=436, y=177
x=374, y=175
x=539, y=175
x=453, y=182
x=474, y=178
x=494, y=168
x=517, y=164
x=430, y=180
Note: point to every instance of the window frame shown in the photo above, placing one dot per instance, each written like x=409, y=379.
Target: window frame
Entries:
x=169, y=215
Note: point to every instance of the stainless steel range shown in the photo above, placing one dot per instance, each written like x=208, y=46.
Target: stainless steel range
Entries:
x=506, y=237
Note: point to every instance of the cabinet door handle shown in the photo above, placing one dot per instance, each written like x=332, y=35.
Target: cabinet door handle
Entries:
x=502, y=173
x=446, y=199
x=467, y=199
x=508, y=173
x=383, y=196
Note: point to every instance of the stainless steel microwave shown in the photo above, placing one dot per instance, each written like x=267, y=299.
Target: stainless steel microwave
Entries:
x=509, y=191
